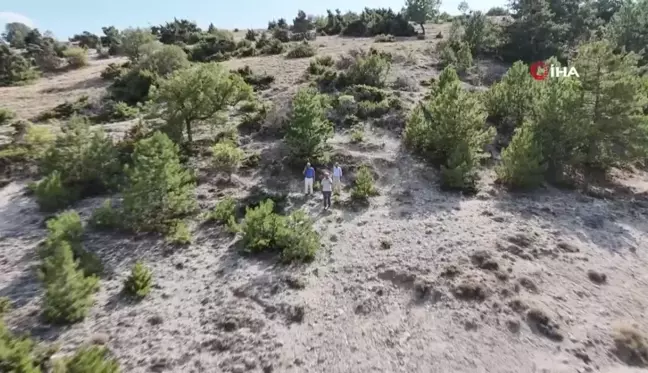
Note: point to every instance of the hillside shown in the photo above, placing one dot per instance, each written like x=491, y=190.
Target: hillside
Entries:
x=420, y=280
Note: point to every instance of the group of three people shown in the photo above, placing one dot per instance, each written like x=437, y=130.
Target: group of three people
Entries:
x=328, y=184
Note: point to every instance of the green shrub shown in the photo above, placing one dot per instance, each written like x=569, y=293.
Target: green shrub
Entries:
x=357, y=135
x=309, y=129
x=159, y=188
x=372, y=22
x=51, y=195
x=139, y=283
x=293, y=236
x=229, y=134
x=297, y=238
x=5, y=306
x=105, y=217
x=227, y=157
x=367, y=93
x=214, y=47
x=371, y=70
x=95, y=359
x=459, y=172
x=301, y=50
x=133, y=87
x=67, y=109
x=164, y=61
x=14, y=68
x=69, y=294
x=251, y=35
x=346, y=105
x=132, y=39
x=248, y=107
x=522, y=161
x=85, y=157
x=247, y=51
x=116, y=111
x=368, y=109
x=38, y=139
x=258, y=81
x=225, y=213
x=364, y=187
x=455, y=53
x=251, y=160
x=273, y=46
x=281, y=34
x=6, y=116
x=178, y=233
x=262, y=41
x=113, y=71
x=76, y=57
x=512, y=100
x=66, y=227
x=19, y=354
x=382, y=38
x=320, y=65
x=260, y=226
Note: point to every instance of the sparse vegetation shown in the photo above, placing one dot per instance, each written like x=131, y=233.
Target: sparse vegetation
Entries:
x=139, y=283
x=301, y=50
x=227, y=157
x=224, y=212
x=6, y=116
x=293, y=236
x=85, y=162
x=76, y=57
x=194, y=117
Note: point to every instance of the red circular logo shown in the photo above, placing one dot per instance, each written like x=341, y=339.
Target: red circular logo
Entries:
x=538, y=70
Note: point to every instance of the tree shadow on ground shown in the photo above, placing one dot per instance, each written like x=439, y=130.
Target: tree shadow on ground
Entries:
x=119, y=250
x=24, y=288
x=604, y=223
x=415, y=188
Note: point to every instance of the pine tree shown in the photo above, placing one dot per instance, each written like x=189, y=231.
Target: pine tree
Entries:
x=459, y=171
x=513, y=99
x=138, y=284
x=450, y=117
x=309, y=128
x=159, y=188
x=95, y=359
x=364, y=185
x=559, y=126
x=614, y=100
x=66, y=227
x=534, y=34
x=522, y=161
x=68, y=294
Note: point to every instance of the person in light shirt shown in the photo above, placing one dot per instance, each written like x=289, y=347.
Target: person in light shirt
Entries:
x=337, y=177
x=327, y=188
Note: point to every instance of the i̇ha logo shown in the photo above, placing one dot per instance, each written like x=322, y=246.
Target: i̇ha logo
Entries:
x=540, y=70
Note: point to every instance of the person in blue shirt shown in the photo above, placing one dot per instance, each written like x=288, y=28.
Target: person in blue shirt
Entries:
x=309, y=176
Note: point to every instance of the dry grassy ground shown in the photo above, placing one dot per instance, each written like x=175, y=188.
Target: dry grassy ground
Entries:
x=421, y=281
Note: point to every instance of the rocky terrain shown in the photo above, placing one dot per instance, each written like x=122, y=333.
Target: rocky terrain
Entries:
x=420, y=281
